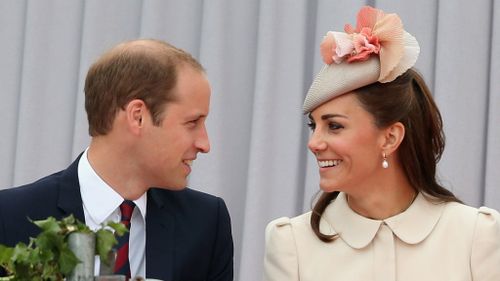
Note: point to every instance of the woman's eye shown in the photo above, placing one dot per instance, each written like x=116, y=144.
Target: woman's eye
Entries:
x=334, y=126
x=311, y=126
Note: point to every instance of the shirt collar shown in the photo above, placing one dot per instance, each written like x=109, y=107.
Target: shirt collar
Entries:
x=99, y=199
x=411, y=226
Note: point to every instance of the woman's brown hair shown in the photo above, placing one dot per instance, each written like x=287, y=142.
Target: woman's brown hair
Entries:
x=408, y=100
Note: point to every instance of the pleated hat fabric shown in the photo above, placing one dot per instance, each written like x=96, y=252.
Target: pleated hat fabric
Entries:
x=378, y=49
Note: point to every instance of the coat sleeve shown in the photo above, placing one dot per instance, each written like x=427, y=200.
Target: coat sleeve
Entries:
x=222, y=265
x=280, y=259
x=485, y=255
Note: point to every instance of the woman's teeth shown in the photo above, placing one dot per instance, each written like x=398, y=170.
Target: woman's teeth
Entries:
x=329, y=163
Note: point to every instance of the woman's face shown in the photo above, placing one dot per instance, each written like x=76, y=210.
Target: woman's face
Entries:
x=347, y=144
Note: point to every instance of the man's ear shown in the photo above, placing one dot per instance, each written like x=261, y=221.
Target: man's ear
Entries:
x=393, y=136
x=135, y=112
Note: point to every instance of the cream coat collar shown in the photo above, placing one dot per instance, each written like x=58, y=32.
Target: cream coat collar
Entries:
x=411, y=226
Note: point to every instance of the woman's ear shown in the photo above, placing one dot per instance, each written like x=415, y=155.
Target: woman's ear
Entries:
x=135, y=111
x=394, y=135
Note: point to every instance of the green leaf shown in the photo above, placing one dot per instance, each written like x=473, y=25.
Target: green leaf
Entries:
x=71, y=224
x=118, y=227
x=48, y=225
x=67, y=261
x=69, y=220
x=5, y=254
x=6, y=258
x=20, y=253
x=48, y=257
x=105, y=240
x=49, y=241
x=34, y=258
x=22, y=271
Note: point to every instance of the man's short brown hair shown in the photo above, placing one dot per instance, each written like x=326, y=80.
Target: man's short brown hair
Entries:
x=141, y=69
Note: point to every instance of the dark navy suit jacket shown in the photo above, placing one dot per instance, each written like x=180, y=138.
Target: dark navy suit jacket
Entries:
x=188, y=233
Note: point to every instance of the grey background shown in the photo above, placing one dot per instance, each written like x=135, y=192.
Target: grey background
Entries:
x=260, y=57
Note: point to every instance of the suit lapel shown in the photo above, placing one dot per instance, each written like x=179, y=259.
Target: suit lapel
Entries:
x=159, y=223
x=159, y=237
x=70, y=200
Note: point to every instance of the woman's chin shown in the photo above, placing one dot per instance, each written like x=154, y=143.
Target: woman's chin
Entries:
x=328, y=186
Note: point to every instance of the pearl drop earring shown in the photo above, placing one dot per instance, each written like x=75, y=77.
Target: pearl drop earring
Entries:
x=385, y=164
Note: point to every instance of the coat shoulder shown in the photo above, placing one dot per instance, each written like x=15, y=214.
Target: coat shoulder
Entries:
x=286, y=224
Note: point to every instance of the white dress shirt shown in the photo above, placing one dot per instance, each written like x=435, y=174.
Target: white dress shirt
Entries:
x=101, y=204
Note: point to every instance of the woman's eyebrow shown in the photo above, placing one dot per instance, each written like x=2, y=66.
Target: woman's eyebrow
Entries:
x=328, y=116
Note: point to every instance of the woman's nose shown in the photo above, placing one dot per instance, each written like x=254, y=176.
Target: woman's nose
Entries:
x=316, y=143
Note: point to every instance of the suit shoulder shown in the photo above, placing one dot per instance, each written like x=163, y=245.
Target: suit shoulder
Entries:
x=45, y=184
x=186, y=194
x=32, y=190
x=200, y=195
x=192, y=201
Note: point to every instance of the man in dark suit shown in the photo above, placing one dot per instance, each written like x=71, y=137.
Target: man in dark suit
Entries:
x=146, y=103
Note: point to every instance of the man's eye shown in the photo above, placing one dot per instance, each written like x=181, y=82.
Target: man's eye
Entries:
x=192, y=123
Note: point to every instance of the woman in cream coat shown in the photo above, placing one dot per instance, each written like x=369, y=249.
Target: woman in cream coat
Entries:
x=377, y=136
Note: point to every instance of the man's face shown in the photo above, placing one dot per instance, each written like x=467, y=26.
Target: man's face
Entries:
x=168, y=150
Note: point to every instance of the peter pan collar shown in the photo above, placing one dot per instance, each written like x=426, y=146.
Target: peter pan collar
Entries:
x=411, y=226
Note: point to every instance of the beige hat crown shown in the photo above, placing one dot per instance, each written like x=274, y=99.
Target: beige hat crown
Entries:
x=378, y=49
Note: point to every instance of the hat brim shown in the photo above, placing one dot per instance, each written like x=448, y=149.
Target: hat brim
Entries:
x=337, y=79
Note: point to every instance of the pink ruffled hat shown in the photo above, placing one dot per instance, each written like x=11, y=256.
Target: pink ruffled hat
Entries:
x=378, y=49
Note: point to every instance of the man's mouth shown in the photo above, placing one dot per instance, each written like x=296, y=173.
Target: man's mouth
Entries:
x=188, y=162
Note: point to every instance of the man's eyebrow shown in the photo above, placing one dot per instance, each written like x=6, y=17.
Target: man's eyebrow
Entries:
x=197, y=116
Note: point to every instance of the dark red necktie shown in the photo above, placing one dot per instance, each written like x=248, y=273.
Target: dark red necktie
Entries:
x=122, y=265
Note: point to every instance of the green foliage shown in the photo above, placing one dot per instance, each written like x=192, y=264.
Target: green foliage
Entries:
x=48, y=257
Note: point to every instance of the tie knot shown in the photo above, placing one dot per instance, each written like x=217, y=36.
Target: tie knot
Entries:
x=127, y=207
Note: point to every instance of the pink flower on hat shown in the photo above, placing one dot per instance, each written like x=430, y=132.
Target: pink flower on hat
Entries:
x=375, y=33
x=378, y=49
x=336, y=46
x=364, y=45
x=327, y=48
